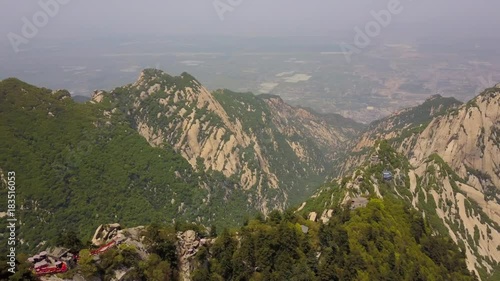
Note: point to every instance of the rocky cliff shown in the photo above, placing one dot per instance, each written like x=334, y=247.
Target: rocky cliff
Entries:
x=401, y=128
x=466, y=136
x=267, y=146
x=452, y=156
x=449, y=202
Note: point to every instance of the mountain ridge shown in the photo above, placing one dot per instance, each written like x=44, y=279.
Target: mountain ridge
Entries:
x=463, y=139
x=432, y=188
x=238, y=134
x=183, y=154
x=74, y=156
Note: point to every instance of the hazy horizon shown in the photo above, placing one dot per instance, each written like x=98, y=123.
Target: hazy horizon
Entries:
x=286, y=47
x=250, y=18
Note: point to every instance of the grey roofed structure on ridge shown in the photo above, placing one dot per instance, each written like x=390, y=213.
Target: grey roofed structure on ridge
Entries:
x=57, y=252
x=41, y=264
x=358, y=202
x=387, y=175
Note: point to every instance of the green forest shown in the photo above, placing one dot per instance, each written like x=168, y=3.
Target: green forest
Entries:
x=76, y=170
x=385, y=240
x=82, y=165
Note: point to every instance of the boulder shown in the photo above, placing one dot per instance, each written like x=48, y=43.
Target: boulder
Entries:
x=189, y=236
x=313, y=216
x=104, y=233
x=326, y=216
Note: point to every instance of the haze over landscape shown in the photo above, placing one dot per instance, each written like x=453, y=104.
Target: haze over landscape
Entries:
x=250, y=140
x=288, y=48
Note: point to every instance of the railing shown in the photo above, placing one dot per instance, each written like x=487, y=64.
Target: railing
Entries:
x=51, y=270
x=104, y=248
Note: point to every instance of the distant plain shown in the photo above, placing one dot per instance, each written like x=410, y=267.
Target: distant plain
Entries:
x=312, y=72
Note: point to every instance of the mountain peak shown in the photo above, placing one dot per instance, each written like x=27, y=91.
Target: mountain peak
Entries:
x=150, y=76
x=152, y=72
x=13, y=83
x=271, y=97
x=491, y=92
x=439, y=100
x=185, y=75
x=433, y=97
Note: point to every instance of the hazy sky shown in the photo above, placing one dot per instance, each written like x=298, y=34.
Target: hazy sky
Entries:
x=84, y=18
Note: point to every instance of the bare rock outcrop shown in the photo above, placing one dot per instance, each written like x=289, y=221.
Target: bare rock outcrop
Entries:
x=97, y=96
x=245, y=137
x=467, y=139
x=313, y=216
x=188, y=244
x=104, y=233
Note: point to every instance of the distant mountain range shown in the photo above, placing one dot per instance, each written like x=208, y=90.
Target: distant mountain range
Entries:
x=80, y=99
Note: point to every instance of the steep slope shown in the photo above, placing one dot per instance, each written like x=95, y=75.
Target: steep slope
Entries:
x=81, y=165
x=272, y=149
x=401, y=128
x=467, y=140
x=407, y=120
x=466, y=137
x=445, y=199
x=323, y=133
x=162, y=149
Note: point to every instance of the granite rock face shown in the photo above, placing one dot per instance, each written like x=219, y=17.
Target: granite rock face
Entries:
x=104, y=233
